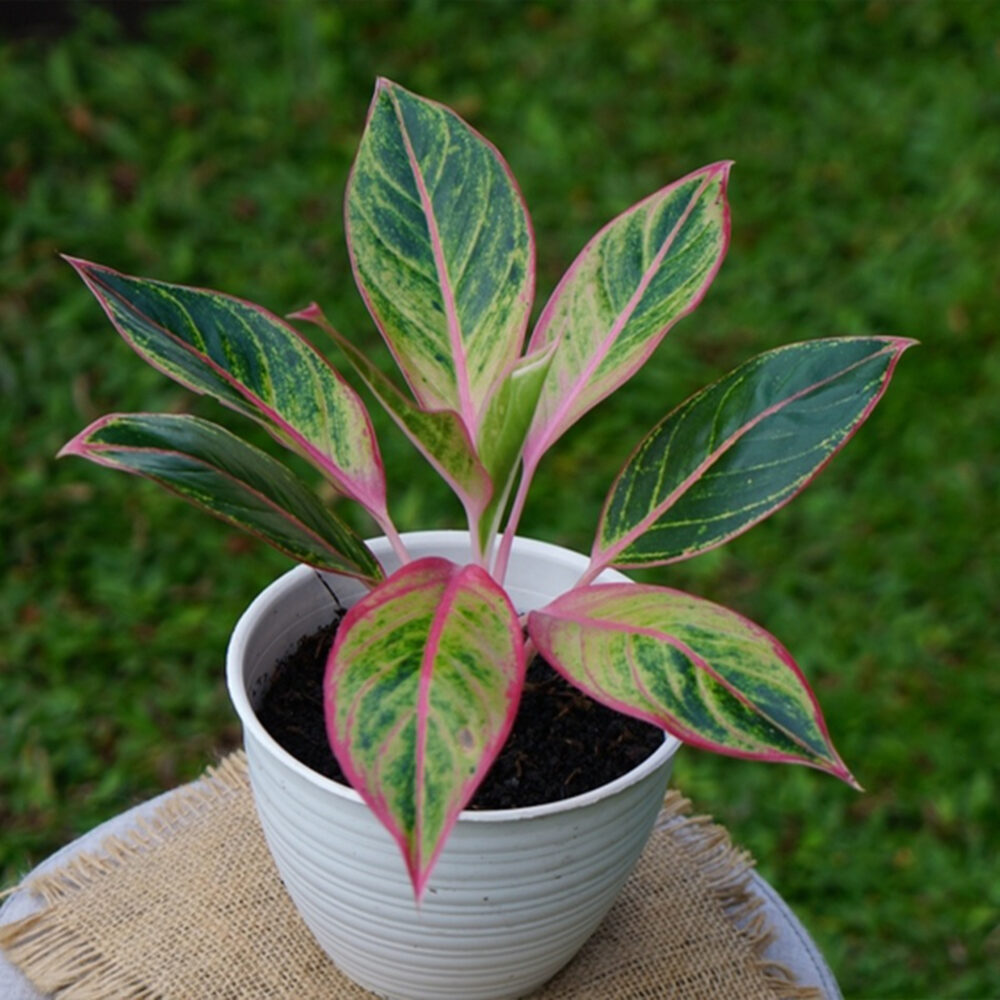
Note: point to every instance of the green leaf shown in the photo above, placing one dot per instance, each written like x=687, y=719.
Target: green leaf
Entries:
x=740, y=449
x=702, y=672
x=504, y=431
x=442, y=249
x=639, y=275
x=255, y=363
x=421, y=690
x=222, y=474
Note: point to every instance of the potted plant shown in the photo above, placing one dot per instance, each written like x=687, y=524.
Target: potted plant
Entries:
x=410, y=892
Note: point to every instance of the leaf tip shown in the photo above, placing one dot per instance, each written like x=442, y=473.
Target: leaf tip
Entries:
x=848, y=779
x=312, y=313
x=81, y=266
x=419, y=880
x=89, y=273
x=839, y=770
x=719, y=170
x=72, y=447
x=79, y=445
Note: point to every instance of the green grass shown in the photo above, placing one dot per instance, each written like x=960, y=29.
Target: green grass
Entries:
x=214, y=148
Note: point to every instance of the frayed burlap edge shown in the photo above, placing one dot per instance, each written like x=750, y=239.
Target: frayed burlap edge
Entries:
x=728, y=873
x=61, y=962
x=179, y=809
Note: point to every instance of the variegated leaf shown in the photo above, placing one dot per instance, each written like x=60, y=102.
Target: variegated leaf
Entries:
x=421, y=690
x=740, y=449
x=440, y=435
x=222, y=474
x=253, y=362
x=698, y=670
x=639, y=275
x=442, y=249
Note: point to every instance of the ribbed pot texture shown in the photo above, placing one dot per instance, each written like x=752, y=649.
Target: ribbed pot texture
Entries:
x=515, y=892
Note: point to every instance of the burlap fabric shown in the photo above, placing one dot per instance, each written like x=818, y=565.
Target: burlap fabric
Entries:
x=190, y=906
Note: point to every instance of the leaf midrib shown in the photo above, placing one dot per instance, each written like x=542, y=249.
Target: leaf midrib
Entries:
x=605, y=557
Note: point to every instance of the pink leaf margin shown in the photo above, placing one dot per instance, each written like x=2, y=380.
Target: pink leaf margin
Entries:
x=384, y=84
x=79, y=447
x=371, y=495
x=602, y=559
x=540, y=440
x=542, y=622
x=430, y=571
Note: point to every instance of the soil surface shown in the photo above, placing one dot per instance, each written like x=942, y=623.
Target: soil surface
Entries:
x=562, y=743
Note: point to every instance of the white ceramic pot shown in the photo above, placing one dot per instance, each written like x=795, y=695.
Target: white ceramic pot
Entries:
x=515, y=892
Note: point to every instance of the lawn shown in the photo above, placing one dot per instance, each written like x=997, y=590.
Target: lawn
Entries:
x=210, y=143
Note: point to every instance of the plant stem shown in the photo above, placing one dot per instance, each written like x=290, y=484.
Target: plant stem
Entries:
x=395, y=541
x=479, y=556
x=587, y=577
x=503, y=554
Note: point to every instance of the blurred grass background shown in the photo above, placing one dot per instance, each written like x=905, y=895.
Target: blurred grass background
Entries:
x=210, y=143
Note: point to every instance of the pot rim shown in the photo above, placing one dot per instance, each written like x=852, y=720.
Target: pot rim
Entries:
x=296, y=577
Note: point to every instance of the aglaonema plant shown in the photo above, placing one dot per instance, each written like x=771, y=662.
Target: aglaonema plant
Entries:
x=425, y=675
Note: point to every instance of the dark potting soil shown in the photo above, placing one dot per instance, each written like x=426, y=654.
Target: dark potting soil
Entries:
x=562, y=742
